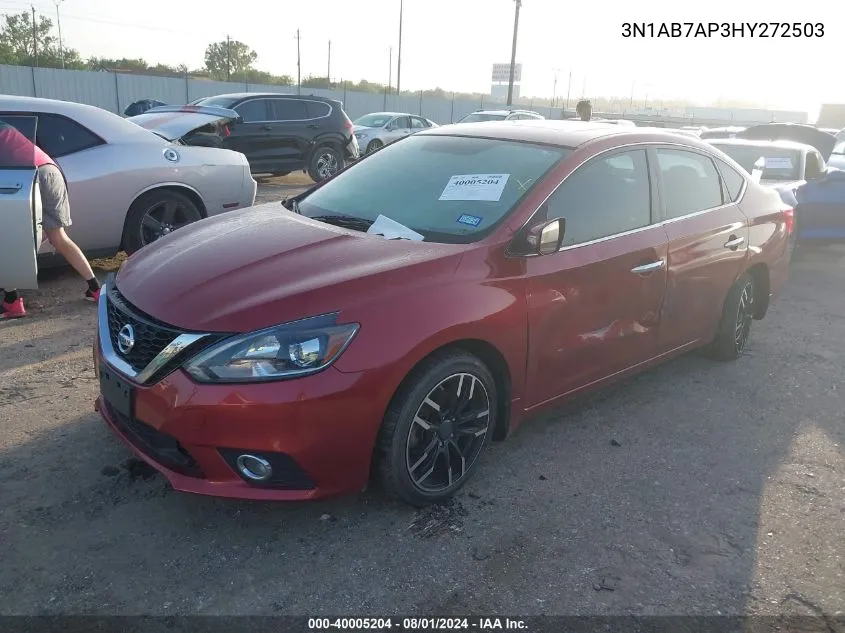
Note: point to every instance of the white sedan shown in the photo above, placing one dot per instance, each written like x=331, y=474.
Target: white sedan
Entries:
x=128, y=185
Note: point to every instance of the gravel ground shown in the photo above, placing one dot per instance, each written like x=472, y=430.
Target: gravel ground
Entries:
x=696, y=488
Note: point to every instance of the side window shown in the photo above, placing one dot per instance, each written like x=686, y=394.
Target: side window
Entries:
x=417, y=123
x=606, y=196
x=401, y=123
x=732, y=179
x=253, y=110
x=690, y=182
x=60, y=136
x=289, y=110
x=317, y=110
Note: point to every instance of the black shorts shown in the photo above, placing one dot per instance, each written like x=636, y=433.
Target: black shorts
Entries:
x=55, y=207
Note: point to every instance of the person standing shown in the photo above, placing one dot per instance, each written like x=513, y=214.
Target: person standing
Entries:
x=55, y=216
x=584, y=109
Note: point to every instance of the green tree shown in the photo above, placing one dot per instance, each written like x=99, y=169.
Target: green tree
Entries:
x=232, y=59
x=23, y=45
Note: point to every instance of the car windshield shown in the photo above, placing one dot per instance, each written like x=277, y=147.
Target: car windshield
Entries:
x=478, y=117
x=373, y=120
x=220, y=102
x=781, y=163
x=449, y=189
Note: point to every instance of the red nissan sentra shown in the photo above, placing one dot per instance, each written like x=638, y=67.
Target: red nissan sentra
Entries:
x=421, y=303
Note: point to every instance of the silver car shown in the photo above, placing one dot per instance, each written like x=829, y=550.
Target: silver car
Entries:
x=480, y=116
x=128, y=185
x=378, y=129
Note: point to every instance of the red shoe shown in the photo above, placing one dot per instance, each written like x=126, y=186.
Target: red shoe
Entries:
x=14, y=310
x=93, y=295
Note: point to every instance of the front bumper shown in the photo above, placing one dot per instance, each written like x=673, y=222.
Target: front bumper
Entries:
x=318, y=432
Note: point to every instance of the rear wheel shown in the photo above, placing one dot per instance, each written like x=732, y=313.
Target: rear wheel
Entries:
x=737, y=317
x=436, y=428
x=326, y=161
x=156, y=214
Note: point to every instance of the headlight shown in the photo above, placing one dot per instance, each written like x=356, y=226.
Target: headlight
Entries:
x=284, y=351
x=360, y=135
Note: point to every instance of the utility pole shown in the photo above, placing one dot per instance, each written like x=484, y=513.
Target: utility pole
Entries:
x=59, y=25
x=584, y=87
x=554, y=88
x=298, y=66
x=34, y=37
x=631, y=104
x=329, y=69
x=513, y=50
x=390, y=71
x=568, y=89
x=399, y=58
x=228, y=58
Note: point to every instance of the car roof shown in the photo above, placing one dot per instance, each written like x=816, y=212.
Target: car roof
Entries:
x=753, y=143
x=262, y=95
x=568, y=134
x=107, y=125
x=392, y=114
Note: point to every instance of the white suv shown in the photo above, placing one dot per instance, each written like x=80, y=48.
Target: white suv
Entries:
x=501, y=115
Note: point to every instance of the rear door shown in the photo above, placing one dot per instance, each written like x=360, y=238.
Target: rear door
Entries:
x=20, y=204
x=293, y=131
x=708, y=244
x=594, y=306
x=418, y=124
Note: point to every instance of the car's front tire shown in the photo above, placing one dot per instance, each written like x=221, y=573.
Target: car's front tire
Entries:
x=154, y=215
x=374, y=145
x=325, y=162
x=737, y=317
x=436, y=427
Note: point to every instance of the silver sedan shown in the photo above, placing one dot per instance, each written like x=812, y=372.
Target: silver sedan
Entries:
x=378, y=129
x=128, y=185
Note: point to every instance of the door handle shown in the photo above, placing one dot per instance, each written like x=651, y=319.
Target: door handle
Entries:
x=734, y=242
x=10, y=187
x=649, y=268
x=314, y=126
x=266, y=128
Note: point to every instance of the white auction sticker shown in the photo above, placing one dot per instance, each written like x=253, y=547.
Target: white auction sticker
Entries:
x=778, y=162
x=486, y=187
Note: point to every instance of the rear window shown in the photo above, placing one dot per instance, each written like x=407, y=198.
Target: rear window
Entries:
x=318, y=109
x=781, y=163
x=449, y=189
x=220, y=102
x=478, y=117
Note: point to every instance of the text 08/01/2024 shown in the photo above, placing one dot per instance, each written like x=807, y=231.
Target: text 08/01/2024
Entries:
x=722, y=29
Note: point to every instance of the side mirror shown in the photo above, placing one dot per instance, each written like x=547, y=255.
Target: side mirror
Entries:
x=542, y=239
x=390, y=128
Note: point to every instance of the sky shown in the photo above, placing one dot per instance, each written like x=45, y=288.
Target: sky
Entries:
x=452, y=44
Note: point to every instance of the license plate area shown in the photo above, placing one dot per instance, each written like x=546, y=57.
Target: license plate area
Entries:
x=116, y=391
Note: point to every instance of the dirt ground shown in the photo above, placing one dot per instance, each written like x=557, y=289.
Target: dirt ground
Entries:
x=696, y=488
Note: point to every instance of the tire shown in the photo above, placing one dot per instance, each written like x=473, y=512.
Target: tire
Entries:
x=171, y=210
x=374, y=145
x=420, y=447
x=730, y=341
x=325, y=162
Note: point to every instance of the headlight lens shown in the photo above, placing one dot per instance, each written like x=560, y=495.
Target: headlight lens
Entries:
x=285, y=351
x=360, y=135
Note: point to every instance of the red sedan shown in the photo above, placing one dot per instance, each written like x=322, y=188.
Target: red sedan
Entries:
x=423, y=302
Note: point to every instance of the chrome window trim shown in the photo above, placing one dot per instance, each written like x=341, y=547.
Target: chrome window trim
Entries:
x=331, y=110
x=639, y=145
x=116, y=362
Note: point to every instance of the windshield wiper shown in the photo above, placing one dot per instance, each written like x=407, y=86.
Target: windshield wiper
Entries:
x=345, y=221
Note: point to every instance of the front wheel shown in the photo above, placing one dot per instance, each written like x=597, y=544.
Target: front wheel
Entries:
x=374, y=145
x=156, y=214
x=737, y=317
x=436, y=428
x=325, y=163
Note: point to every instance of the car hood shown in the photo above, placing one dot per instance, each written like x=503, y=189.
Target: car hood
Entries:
x=794, y=132
x=363, y=128
x=258, y=267
x=175, y=122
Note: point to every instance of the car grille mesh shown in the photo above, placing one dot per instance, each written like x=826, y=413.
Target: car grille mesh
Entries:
x=150, y=337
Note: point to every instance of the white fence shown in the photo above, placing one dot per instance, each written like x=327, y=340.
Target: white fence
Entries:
x=115, y=91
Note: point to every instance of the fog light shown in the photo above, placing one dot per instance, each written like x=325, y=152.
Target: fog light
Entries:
x=255, y=468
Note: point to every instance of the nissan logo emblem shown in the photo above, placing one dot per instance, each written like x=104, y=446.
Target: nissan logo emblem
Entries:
x=126, y=339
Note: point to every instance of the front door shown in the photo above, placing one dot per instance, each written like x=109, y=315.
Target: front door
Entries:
x=251, y=136
x=708, y=244
x=20, y=203
x=594, y=306
x=398, y=128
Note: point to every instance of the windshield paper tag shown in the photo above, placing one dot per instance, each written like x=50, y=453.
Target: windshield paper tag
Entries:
x=757, y=172
x=778, y=162
x=472, y=220
x=472, y=187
